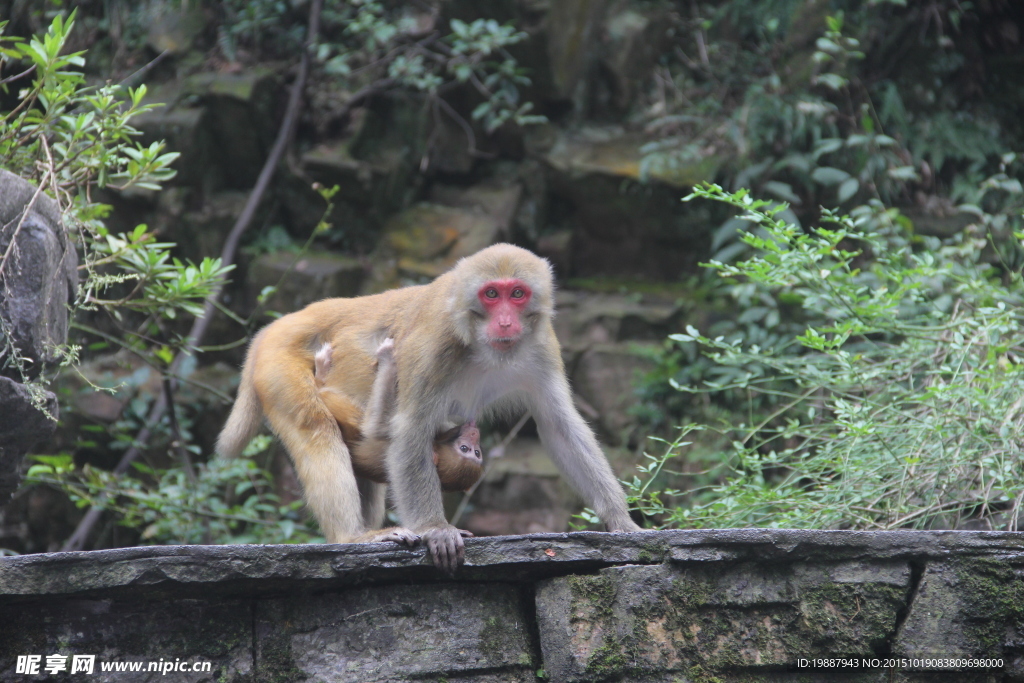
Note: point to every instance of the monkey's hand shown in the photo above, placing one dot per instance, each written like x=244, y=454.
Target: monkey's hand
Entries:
x=444, y=543
x=395, y=534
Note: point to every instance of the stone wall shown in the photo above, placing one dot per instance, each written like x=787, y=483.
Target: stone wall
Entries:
x=736, y=605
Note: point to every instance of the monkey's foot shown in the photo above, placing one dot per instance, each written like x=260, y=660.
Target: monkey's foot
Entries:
x=396, y=534
x=446, y=547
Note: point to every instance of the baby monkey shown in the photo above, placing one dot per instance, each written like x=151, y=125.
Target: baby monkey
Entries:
x=456, y=450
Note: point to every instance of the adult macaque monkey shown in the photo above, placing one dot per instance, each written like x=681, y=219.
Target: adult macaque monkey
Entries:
x=456, y=451
x=478, y=338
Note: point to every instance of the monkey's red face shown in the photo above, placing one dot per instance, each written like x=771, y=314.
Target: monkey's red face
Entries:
x=504, y=301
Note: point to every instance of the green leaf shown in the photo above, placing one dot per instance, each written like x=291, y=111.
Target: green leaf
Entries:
x=827, y=175
x=831, y=81
x=847, y=189
x=905, y=173
x=783, y=191
x=827, y=146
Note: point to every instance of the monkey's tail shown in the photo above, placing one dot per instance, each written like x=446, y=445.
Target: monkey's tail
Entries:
x=243, y=422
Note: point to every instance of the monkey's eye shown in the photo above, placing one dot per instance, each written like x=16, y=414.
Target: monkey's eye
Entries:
x=464, y=448
x=491, y=293
x=518, y=293
x=477, y=453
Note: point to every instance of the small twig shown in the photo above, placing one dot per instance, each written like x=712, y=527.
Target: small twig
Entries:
x=395, y=51
x=15, y=77
x=178, y=444
x=363, y=93
x=698, y=35
x=1015, y=511
x=585, y=407
x=151, y=363
x=463, y=124
x=435, y=132
x=107, y=492
x=143, y=70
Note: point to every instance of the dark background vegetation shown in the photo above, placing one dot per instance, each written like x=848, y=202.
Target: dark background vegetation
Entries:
x=572, y=128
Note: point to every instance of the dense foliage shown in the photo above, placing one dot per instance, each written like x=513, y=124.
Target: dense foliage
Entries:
x=871, y=378
x=72, y=139
x=898, y=405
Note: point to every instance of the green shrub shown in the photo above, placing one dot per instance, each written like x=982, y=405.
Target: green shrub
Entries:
x=899, y=404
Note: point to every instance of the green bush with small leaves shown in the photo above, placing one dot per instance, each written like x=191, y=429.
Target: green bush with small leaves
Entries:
x=897, y=405
x=70, y=139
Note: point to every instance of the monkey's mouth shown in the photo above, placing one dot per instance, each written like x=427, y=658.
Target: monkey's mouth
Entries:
x=503, y=343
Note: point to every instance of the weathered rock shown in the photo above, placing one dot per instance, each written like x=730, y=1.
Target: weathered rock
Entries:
x=333, y=164
x=612, y=153
x=622, y=226
x=425, y=240
x=201, y=232
x=186, y=130
x=636, y=37
x=728, y=605
x=387, y=634
x=585, y=318
x=644, y=620
x=606, y=376
x=500, y=200
x=222, y=124
x=369, y=189
x=37, y=520
x=174, y=30
x=38, y=280
x=972, y=607
x=22, y=425
x=241, y=112
x=100, y=388
x=450, y=150
x=258, y=570
x=573, y=30
x=307, y=278
x=193, y=631
x=531, y=220
x=556, y=247
x=40, y=275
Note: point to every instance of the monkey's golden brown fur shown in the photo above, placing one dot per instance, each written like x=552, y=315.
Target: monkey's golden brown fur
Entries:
x=456, y=450
x=479, y=338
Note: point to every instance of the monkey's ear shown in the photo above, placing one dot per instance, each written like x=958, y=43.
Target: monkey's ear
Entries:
x=448, y=436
